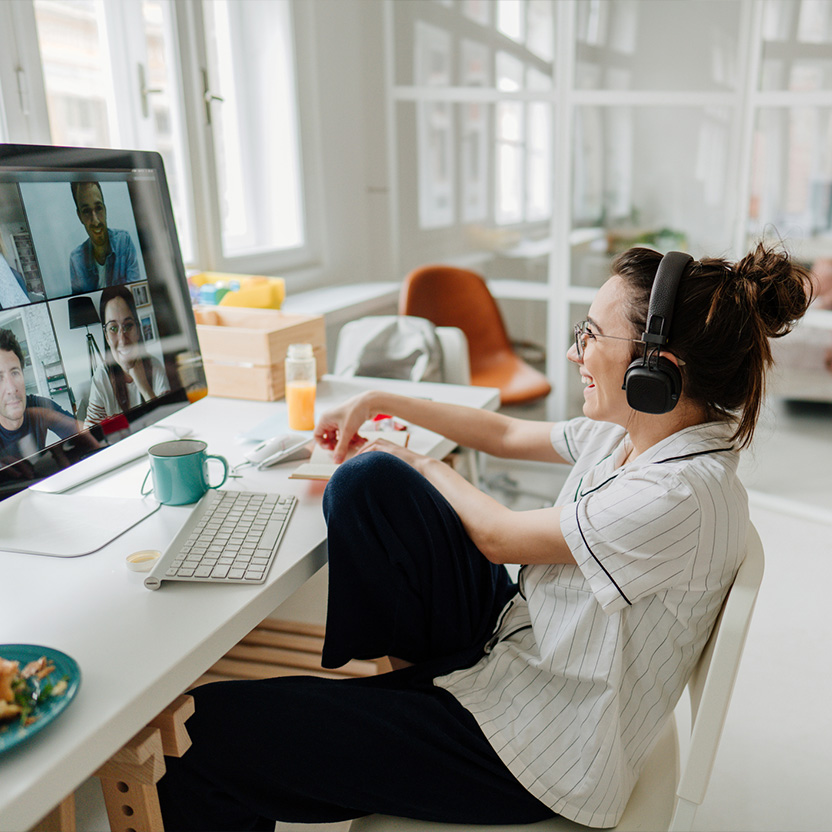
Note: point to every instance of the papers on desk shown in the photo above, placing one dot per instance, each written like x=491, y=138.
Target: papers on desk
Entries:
x=321, y=466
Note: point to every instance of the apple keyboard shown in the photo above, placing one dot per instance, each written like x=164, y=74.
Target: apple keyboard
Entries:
x=231, y=537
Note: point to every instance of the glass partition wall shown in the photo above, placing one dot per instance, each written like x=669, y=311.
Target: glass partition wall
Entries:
x=534, y=140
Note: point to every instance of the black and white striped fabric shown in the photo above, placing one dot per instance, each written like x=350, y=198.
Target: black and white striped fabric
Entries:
x=589, y=660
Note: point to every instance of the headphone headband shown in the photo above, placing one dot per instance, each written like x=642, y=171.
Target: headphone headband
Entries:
x=663, y=295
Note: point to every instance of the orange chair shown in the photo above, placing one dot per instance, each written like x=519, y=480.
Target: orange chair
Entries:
x=449, y=296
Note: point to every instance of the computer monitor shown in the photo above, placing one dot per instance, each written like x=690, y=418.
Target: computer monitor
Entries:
x=97, y=335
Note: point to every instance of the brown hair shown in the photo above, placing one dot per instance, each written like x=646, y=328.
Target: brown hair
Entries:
x=75, y=187
x=723, y=317
x=9, y=343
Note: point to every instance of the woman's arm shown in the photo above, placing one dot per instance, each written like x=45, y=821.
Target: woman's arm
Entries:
x=99, y=403
x=501, y=534
x=137, y=374
x=482, y=430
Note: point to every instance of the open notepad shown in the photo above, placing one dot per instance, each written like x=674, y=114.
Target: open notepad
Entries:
x=321, y=466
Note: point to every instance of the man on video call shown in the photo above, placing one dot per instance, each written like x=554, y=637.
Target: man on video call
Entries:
x=108, y=256
x=25, y=419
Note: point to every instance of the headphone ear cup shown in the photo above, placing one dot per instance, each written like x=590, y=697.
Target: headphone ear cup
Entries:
x=653, y=386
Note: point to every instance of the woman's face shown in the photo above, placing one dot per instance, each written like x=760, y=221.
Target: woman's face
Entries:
x=122, y=333
x=605, y=360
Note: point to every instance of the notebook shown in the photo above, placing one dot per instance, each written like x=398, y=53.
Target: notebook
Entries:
x=320, y=465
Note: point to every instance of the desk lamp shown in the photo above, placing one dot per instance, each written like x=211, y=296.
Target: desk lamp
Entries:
x=82, y=313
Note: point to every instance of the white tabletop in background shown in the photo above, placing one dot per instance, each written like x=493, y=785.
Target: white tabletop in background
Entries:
x=138, y=649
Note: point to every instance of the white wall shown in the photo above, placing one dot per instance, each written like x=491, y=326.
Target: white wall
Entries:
x=345, y=101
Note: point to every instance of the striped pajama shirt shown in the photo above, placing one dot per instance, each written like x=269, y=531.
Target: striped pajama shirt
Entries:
x=589, y=660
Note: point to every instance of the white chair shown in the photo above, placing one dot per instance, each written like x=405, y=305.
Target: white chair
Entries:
x=662, y=799
x=407, y=336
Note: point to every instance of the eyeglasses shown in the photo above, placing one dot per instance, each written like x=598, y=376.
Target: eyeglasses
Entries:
x=583, y=333
x=126, y=328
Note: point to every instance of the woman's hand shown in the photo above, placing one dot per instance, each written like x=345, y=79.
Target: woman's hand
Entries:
x=134, y=371
x=337, y=429
x=413, y=459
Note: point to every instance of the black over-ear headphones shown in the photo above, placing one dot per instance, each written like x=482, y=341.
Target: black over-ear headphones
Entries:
x=653, y=383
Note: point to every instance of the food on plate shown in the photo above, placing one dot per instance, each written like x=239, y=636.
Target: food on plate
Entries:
x=23, y=691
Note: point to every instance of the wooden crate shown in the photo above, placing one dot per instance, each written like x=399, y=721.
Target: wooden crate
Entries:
x=243, y=350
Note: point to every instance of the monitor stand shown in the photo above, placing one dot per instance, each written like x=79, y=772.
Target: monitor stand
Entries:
x=67, y=525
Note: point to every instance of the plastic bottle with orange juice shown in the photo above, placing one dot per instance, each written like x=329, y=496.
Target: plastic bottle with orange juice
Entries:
x=300, y=386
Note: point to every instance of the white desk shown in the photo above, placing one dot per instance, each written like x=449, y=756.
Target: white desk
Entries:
x=138, y=649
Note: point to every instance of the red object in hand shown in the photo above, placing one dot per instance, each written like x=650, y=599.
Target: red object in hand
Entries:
x=392, y=423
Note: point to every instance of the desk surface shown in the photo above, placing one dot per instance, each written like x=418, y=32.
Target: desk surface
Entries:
x=138, y=649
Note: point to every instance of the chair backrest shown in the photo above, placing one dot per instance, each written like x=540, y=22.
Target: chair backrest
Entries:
x=395, y=346
x=450, y=296
x=712, y=682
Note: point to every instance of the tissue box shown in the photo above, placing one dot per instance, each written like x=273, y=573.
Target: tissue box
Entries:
x=243, y=350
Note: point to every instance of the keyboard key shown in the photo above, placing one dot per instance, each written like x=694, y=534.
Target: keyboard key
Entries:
x=270, y=535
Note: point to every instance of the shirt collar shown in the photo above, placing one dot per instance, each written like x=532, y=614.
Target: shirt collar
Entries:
x=707, y=437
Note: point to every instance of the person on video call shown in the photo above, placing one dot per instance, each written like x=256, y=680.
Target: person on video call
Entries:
x=510, y=702
x=12, y=286
x=108, y=257
x=129, y=375
x=25, y=419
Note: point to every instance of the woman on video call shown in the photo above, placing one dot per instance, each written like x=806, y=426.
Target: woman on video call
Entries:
x=129, y=375
x=513, y=702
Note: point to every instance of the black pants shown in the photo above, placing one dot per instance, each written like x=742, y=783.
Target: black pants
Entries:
x=406, y=581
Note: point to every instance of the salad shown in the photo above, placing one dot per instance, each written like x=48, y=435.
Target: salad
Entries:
x=23, y=691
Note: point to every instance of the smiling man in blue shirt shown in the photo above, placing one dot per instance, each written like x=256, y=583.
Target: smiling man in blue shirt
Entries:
x=108, y=257
x=25, y=419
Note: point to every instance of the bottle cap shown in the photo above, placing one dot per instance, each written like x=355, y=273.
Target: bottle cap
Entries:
x=300, y=351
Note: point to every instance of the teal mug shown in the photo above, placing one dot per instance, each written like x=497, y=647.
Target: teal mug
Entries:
x=180, y=471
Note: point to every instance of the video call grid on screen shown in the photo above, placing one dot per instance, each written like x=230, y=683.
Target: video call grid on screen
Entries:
x=68, y=235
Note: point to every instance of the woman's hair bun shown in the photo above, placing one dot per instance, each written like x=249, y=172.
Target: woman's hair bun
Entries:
x=775, y=288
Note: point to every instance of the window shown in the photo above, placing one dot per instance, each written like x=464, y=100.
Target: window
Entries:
x=523, y=145
x=474, y=140
x=474, y=134
x=511, y=19
x=256, y=131
x=113, y=73
x=435, y=129
x=85, y=54
x=76, y=73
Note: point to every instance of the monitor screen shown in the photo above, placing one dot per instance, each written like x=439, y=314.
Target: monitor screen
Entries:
x=97, y=335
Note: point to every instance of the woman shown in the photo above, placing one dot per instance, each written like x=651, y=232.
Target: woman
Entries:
x=129, y=375
x=513, y=702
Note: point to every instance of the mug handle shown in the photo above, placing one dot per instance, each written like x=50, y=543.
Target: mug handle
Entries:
x=224, y=462
x=144, y=483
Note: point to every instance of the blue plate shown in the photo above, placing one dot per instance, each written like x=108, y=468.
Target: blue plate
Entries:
x=12, y=733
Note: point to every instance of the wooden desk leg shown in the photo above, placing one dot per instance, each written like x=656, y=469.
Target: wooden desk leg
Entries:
x=60, y=819
x=129, y=777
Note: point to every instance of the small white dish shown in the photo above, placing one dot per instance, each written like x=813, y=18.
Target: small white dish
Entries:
x=143, y=560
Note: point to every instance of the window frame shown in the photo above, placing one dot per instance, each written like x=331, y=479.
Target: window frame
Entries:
x=197, y=87
x=24, y=117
